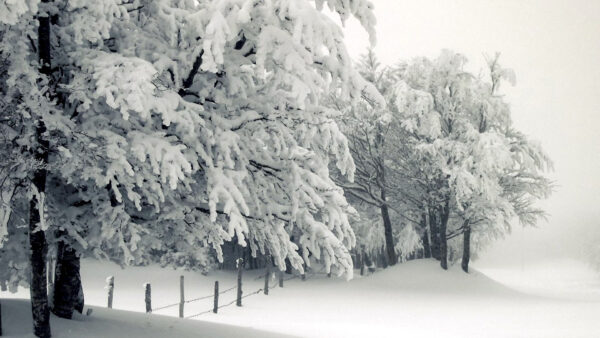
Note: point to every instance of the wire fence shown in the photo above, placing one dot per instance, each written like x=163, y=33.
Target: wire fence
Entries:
x=226, y=305
x=165, y=307
x=271, y=283
x=195, y=299
x=247, y=295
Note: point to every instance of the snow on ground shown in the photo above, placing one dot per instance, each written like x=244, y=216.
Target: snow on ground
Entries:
x=414, y=299
x=16, y=319
x=557, y=278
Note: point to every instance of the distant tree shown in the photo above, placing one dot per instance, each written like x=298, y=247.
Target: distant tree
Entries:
x=467, y=152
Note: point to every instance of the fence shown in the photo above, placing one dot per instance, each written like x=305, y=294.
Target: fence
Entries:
x=268, y=285
x=110, y=286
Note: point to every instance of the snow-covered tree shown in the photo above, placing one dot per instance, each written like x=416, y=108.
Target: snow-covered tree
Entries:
x=367, y=126
x=475, y=175
x=443, y=156
x=173, y=126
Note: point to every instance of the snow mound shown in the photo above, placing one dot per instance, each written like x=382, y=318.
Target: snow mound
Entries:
x=426, y=276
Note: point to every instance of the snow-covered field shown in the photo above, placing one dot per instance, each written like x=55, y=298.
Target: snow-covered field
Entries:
x=567, y=279
x=415, y=299
x=16, y=317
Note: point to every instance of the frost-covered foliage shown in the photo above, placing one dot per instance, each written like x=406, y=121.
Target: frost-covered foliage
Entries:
x=12, y=10
x=370, y=233
x=368, y=126
x=442, y=156
x=14, y=258
x=456, y=128
x=368, y=228
x=22, y=102
x=409, y=242
x=477, y=171
x=175, y=126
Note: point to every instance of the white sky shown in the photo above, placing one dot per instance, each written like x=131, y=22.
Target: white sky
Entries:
x=554, y=48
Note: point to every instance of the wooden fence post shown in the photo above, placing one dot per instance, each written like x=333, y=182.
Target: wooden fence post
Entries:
x=111, y=287
x=280, y=278
x=216, y=303
x=240, y=266
x=181, y=296
x=148, y=297
x=267, y=275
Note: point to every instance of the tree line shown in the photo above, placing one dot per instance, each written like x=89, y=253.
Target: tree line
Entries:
x=441, y=171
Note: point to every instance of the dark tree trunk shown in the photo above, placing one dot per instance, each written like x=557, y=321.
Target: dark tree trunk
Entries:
x=359, y=259
x=362, y=263
x=367, y=259
x=466, y=248
x=253, y=260
x=383, y=259
x=37, y=237
x=68, y=292
x=425, y=238
x=426, y=245
x=435, y=234
x=288, y=263
x=445, y=215
x=392, y=258
x=38, y=285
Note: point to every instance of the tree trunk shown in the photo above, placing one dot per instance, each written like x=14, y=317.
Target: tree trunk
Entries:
x=445, y=215
x=362, y=263
x=466, y=248
x=68, y=292
x=435, y=234
x=288, y=263
x=425, y=238
x=383, y=260
x=39, y=248
x=392, y=258
x=37, y=238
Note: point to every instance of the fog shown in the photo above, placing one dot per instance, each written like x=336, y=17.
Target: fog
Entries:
x=553, y=47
